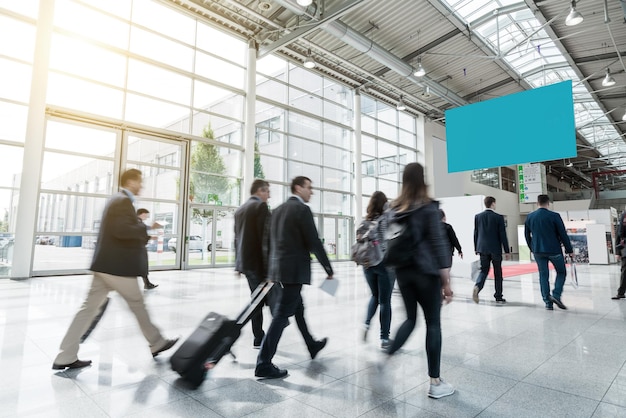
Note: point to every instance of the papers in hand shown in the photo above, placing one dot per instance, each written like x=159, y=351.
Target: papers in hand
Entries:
x=330, y=286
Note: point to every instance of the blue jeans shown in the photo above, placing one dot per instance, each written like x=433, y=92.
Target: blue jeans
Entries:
x=558, y=262
x=496, y=260
x=381, y=285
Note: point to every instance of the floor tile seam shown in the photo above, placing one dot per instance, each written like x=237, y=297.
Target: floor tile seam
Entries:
x=560, y=391
x=612, y=383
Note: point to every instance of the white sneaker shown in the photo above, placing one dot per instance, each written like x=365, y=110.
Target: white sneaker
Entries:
x=440, y=390
x=366, y=328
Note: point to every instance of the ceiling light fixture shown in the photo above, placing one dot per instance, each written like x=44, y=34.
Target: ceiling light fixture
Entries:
x=419, y=71
x=309, y=62
x=305, y=2
x=608, y=79
x=401, y=105
x=573, y=18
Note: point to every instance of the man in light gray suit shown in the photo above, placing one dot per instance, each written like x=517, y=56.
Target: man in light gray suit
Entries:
x=119, y=257
x=293, y=237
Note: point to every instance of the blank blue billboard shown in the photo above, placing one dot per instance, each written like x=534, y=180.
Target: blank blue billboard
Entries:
x=527, y=127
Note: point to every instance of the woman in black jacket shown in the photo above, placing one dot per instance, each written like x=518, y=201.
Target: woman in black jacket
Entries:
x=427, y=280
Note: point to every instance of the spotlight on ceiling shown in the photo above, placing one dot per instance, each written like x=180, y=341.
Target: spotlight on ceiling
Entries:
x=419, y=71
x=309, y=62
x=305, y=2
x=401, y=105
x=608, y=79
x=574, y=17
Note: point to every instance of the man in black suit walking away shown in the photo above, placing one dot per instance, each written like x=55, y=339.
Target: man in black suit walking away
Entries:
x=119, y=257
x=251, y=245
x=293, y=237
x=489, y=240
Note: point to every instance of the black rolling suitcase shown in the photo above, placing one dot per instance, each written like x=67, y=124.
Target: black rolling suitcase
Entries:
x=213, y=338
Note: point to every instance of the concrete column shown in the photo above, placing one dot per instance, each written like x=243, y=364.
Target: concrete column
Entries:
x=33, y=146
x=250, y=122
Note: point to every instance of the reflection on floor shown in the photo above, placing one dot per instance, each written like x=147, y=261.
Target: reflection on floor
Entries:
x=516, y=360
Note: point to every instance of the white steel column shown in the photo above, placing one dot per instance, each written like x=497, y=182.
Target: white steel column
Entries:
x=358, y=182
x=250, y=122
x=26, y=219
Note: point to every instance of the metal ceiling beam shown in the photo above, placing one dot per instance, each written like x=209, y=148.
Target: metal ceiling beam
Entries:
x=376, y=52
x=424, y=49
x=303, y=31
x=599, y=57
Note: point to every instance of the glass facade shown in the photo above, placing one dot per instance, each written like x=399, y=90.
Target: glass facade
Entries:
x=141, y=85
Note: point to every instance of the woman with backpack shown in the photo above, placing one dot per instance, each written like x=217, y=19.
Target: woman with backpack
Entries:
x=377, y=275
x=425, y=279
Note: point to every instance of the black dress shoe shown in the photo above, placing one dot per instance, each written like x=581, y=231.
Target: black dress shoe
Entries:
x=501, y=300
x=270, y=372
x=558, y=302
x=317, y=347
x=168, y=344
x=76, y=365
x=150, y=286
x=618, y=297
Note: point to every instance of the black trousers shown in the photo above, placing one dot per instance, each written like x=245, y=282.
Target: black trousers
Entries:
x=622, y=283
x=288, y=302
x=425, y=290
x=496, y=260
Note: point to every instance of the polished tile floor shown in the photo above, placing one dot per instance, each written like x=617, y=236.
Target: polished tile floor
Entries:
x=516, y=360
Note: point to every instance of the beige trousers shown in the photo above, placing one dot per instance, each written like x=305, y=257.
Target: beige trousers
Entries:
x=101, y=285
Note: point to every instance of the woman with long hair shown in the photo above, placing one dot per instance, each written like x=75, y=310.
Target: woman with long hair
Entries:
x=378, y=278
x=426, y=281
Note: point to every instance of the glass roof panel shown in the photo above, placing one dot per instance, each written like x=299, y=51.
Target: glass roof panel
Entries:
x=519, y=39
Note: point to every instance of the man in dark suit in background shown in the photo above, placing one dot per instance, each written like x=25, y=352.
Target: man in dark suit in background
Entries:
x=119, y=257
x=545, y=233
x=293, y=237
x=489, y=240
x=251, y=245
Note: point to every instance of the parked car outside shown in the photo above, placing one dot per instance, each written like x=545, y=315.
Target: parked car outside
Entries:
x=196, y=243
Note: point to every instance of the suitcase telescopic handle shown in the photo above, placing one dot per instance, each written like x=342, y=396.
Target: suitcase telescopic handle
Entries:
x=257, y=297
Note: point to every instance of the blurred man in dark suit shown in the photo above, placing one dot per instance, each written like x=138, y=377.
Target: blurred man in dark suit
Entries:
x=251, y=245
x=293, y=237
x=119, y=257
x=489, y=240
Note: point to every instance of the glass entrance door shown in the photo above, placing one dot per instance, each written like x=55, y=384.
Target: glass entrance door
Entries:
x=337, y=236
x=209, y=240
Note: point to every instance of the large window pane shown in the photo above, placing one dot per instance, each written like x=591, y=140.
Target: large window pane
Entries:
x=337, y=113
x=337, y=158
x=13, y=122
x=73, y=173
x=218, y=100
x=163, y=19
x=303, y=150
x=304, y=126
x=77, y=138
x=11, y=169
x=336, y=203
x=12, y=29
x=61, y=212
x=270, y=142
x=15, y=80
x=64, y=252
x=160, y=49
x=305, y=101
x=156, y=113
x=210, y=167
x=90, y=23
x=337, y=180
x=273, y=168
x=78, y=57
x=271, y=89
x=223, y=130
x=221, y=44
x=338, y=136
x=85, y=96
x=305, y=79
x=158, y=82
x=219, y=70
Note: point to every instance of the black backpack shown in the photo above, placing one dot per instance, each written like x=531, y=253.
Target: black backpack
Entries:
x=400, y=242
